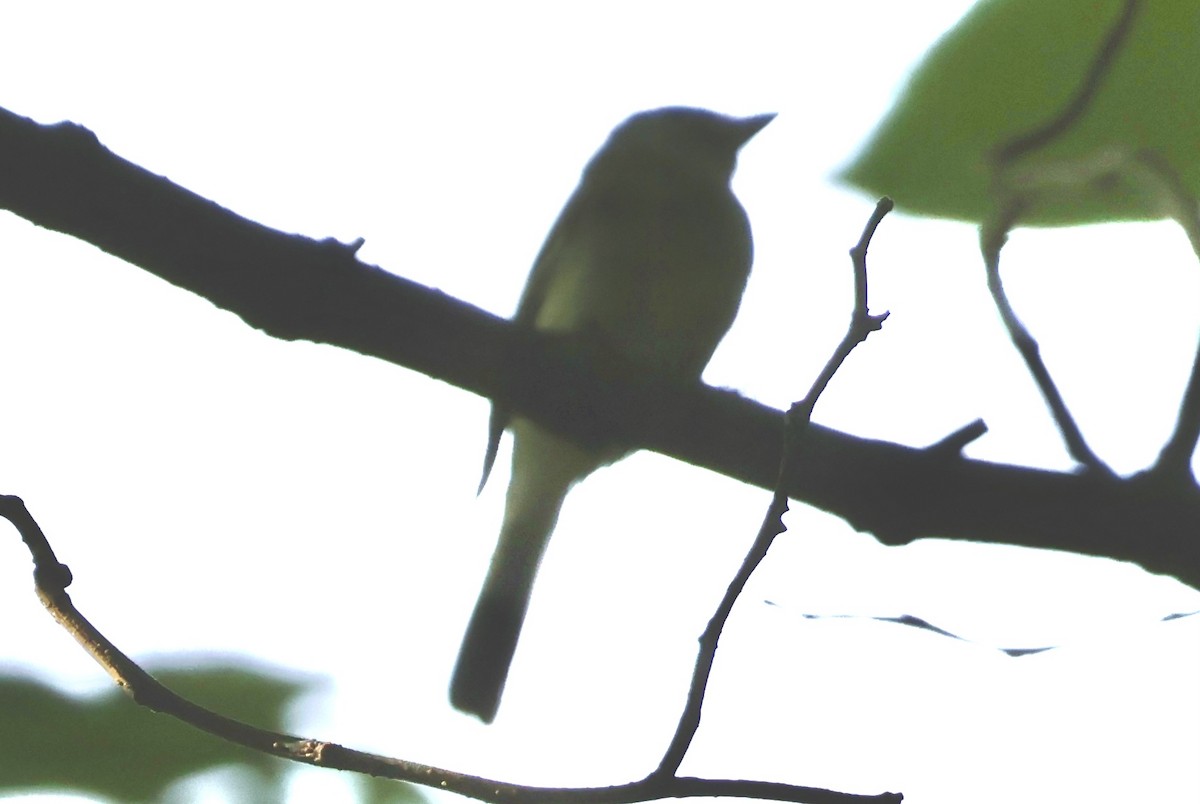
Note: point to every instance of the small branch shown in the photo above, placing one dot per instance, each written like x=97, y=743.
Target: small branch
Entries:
x=1174, y=464
x=689, y=720
x=992, y=238
x=862, y=324
x=993, y=235
x=52, y=577
x=1074, y=109
x=956, y=442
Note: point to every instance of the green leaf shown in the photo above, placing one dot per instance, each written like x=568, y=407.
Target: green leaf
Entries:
x=1011, y=66
x=106, y=745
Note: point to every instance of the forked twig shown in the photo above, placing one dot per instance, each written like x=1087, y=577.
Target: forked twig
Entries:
x=862, y=324
x=1043, y=135
x=994, y=233
x=1158, y=175
x=992, y=238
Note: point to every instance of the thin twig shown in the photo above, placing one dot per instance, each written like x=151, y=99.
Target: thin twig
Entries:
x=52, y=577
x=862, y=323
x=953, y=444
x=992, y=238
x=1174, y=462
x=1074, y=109
x=994, y=234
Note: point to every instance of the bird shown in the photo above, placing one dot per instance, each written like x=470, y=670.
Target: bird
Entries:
x=648, y=260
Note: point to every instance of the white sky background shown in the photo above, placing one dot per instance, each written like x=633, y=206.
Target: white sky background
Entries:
x=217, y=490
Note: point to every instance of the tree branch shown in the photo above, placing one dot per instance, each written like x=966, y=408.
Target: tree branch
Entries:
x=52, y=577
x=293, y=287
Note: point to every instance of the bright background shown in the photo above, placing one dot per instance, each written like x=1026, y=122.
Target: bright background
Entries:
x=215, y=490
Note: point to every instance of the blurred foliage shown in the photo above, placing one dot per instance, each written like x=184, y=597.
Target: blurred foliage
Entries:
x=1010, y=66
x=107, y=746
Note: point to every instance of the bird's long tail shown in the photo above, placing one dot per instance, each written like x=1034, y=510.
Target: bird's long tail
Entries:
x=544, y=468
x=491, y=637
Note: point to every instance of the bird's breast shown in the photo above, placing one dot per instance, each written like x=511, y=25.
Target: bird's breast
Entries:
x=658, y=276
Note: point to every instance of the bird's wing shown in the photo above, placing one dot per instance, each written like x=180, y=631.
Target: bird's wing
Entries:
x=496, y=424
x=527, y=313
x=548, y=261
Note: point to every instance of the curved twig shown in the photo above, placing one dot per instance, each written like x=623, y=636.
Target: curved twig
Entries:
x=994, y=234
x=862, y=324
x=1070, y=113
x=52, y=577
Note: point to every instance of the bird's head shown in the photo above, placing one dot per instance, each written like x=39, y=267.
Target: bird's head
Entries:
x=696, y=139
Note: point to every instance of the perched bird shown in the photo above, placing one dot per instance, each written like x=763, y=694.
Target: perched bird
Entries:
x=649, y=258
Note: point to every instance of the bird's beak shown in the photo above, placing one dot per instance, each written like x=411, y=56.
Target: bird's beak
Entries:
x=749, y=126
